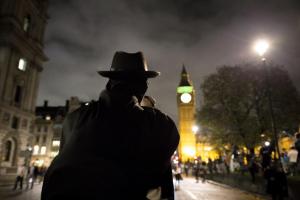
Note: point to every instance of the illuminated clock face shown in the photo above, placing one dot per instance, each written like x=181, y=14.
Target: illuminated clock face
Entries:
x=186, y=98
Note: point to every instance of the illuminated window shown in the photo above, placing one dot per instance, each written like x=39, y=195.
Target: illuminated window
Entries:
x=55, y=143
x=36, y=149
x=22, y=64
x=48, y=117
x=43, y=150
x=26, y=23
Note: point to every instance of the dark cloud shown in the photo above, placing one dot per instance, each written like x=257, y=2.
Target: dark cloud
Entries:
x=82, y=37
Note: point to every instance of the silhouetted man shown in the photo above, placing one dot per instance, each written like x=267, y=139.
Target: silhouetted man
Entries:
x=114, y=148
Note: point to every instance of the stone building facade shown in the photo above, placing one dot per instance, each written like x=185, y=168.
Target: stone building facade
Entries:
x=22, y=25
x=47, y=130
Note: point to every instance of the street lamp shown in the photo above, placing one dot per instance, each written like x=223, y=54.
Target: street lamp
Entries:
x=261, y=46
x=195, y=129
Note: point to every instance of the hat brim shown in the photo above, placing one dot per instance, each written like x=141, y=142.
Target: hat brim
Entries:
x=128, y=74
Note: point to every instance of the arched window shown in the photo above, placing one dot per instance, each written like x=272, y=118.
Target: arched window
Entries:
x=8, y=150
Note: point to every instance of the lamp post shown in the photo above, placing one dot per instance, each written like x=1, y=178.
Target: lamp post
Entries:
x=261, y=46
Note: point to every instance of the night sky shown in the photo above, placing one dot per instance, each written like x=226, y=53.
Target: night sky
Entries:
x=82, y=36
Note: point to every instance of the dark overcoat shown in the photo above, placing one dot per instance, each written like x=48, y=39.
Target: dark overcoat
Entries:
x=111, y=149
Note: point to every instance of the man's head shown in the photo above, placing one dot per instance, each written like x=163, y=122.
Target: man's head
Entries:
x=129, y=74
x=133, y=88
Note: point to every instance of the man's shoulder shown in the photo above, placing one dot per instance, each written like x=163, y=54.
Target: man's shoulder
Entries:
x=83, y=110
x=156, y=113
x=158, y=119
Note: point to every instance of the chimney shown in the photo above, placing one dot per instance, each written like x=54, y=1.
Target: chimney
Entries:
x=46, y=103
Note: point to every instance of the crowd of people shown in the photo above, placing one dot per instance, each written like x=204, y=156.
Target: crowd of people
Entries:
x=29, y=175
x=274, y=171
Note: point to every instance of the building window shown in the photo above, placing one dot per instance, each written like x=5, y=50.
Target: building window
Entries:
x=8, y=149
x=24, y=123
x=43, y=150
x=6, y=118
x=37, y=139
x=15, y=122
x=55, y=143
x=39, y=129
x=26, y=23
x=22, y=64
x=36, y=149
x=46, y=129
x=31, y=127
x=44, y=139
x=18, y=95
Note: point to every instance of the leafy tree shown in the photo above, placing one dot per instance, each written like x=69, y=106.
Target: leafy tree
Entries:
x=236, y=103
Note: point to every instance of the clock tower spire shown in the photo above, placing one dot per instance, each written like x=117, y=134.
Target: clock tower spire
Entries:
x=186, y=111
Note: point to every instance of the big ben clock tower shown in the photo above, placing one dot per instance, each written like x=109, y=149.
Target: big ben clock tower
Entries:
x=186, y=111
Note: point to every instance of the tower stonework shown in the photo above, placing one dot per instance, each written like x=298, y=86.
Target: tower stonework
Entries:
x=22, y=24
x=186, y=111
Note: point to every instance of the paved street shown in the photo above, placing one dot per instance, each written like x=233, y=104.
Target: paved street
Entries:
x=189, y=190
x=6, y=193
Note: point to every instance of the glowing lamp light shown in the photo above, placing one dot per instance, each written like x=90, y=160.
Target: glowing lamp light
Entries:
x=195, y=129
x=261, y=47
x=189, y=151
x=207, y=148
x=267, y=143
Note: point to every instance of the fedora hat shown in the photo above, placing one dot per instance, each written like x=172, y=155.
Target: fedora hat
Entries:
x=128, y=65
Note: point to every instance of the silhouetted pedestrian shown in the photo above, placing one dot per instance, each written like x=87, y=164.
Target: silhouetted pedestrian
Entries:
x=114, y=148
x=197, y=170
x=210, y=166
x=265, y=153
x=276, y=182
x=203, y=171
x=293, y=157
x=21, y=173
x=177, y=173
x=253, y=167
x=31, y=176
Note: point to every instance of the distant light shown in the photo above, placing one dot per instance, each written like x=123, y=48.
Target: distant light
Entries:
x=87, y=103
x=195, y=129
x=207, y=148
x=22, y=64
x=36, y=149
x=55, y=143
x=261, y=47
x=189, y=151
x=43, y=150
x=48, y=117
x=267, y=143
x=262, y=135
